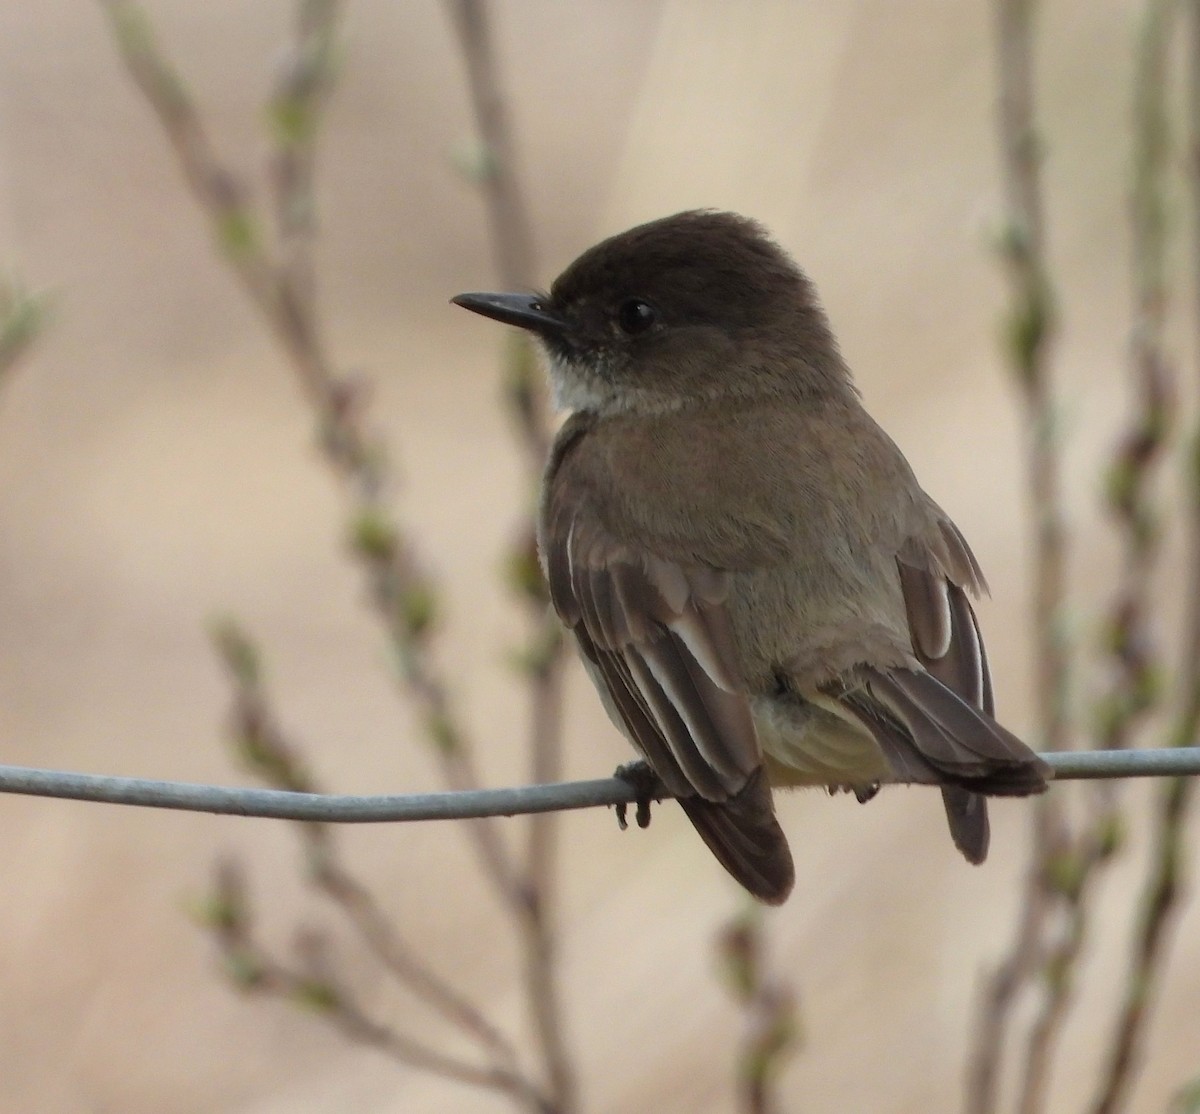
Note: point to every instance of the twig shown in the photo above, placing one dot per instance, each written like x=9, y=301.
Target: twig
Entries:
x=1168, y=869
x=314, y=986
x=397, y=956
x=1133, y=691
x=512, y=240
x=539, y=940
x=280, y=285
x=281, y=282
x=1135, y=688
x=1030, y=331
x=262, y=747
x=771, y=1034
x=1031, y=328
x=510, y=228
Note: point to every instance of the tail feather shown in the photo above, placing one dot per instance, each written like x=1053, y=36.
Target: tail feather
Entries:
x=966, y=813
x=956, y=742
x=932, y=736
x=747, y=840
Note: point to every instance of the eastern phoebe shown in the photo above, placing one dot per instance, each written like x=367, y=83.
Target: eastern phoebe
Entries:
x=761, y=591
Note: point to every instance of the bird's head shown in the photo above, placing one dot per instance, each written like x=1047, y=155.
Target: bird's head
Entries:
x=698, y=306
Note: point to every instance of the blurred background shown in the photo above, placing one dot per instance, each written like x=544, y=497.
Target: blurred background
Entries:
x=158, y=469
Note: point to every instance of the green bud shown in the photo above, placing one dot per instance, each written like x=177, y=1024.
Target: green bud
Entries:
x=443, y=734
x=373, y=535
x=1111, y=835
x=418, y=609
x=1065, y=873
x=316, y=995
x=243, y=968
x=238, y=234
x=237, y=653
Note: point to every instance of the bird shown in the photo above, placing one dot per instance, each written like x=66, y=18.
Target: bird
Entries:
x=761, y=591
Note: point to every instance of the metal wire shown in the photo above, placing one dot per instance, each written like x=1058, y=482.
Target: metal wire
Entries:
x=377, y=809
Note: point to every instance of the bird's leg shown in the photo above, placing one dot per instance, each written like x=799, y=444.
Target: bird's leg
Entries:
x=646, y=784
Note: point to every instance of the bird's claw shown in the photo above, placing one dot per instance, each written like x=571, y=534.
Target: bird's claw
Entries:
x=863, y=793
x=646, y=784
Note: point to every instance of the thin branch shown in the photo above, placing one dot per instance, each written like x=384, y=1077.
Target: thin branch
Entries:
x=1134, y=688
x=1030, y=331
x=540, y=943
x=1136, y=685
x=1159, y=907
x=313, y=986
x=303, y=85
x=280, y=284
x=512, y=239
x=397, y=956
x=1167, y=874
x=510, y=227
x=260, y=744
x=771, y=1031
x=1058, y=970
x=1031, y=328
x=221, y=195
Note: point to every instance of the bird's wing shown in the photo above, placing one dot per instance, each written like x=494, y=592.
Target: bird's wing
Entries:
x=659, y=637
x=936, y=724
x=935, y=576
x=658, y=641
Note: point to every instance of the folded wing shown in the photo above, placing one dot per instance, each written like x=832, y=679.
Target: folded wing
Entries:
x=936, y=724
x=657, y=639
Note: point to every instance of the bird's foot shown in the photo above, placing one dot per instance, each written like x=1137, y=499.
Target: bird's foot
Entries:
x=646, y=784
x=862, y=792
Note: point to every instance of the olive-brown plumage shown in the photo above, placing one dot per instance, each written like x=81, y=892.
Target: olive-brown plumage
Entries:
x=759, y=587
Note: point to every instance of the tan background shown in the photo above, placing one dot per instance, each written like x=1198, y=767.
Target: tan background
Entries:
x=156, y=469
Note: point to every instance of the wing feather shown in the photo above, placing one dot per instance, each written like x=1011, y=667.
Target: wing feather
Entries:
x=664, y=645
x=660, y=646
x=944, y=712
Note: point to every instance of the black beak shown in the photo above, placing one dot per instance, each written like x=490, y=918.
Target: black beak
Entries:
x=526, y=311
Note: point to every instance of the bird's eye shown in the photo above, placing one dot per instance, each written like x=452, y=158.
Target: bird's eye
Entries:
x=636, y=316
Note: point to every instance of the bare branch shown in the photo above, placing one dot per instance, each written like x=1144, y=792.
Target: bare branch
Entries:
x=1136, y=684
x=771, y=1034
x=1030, y=331
x=313, y=986
x=509, y=220
x=1133, y=690
x=397, y=956
x=280, y=285
x=1161, y=893
x=512, y=239
x=261, y=746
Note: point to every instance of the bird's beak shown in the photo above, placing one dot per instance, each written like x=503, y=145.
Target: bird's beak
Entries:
x=526, y=311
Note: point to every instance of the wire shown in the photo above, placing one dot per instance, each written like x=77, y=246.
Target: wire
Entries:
x=378, y=809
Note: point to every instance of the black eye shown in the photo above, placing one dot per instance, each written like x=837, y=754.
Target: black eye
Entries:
x=636, y=316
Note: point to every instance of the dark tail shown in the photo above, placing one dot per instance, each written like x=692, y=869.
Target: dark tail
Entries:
x=746, y=838
x=966, y=813
x=932, y=736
